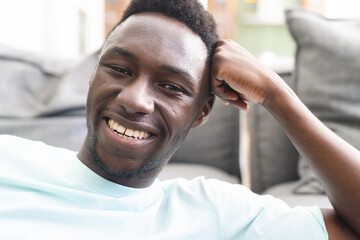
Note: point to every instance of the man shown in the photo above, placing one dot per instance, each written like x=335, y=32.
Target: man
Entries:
x=150, y=86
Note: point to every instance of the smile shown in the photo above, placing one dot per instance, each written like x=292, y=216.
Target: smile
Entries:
x=128, y=133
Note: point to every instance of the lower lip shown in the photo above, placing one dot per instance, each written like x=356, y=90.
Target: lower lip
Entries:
x=131, y=142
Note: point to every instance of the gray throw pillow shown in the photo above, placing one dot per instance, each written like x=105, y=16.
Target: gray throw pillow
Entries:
x=327, y=78
x=43, y=98
x=27, y=81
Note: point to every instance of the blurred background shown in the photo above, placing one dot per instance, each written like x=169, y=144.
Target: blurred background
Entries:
x=75, y=28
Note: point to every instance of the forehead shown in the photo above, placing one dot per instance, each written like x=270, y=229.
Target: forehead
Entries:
x=160, y=39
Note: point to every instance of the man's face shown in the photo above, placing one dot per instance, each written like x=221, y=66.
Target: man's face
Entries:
x=149, y=88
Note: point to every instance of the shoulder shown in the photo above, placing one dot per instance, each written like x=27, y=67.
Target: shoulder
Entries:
x=240, y=212
x=17, y=144
x=10, y=139
x=20, y=156
x=216, y=192
x=11, y=146
x=200, y=183
x=10, y=142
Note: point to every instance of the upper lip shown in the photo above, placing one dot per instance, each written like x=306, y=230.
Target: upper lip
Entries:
x=132, y=125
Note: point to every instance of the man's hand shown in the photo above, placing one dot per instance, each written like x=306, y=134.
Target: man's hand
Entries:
x=237, y=76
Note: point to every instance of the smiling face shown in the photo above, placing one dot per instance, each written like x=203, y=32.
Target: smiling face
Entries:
x=149, y=88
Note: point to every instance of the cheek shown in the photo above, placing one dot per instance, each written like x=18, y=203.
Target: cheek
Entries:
x=96, y=102
x=180, y=116
x=101, y=89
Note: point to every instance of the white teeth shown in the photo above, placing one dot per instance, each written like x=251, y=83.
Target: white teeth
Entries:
x=127, y=133
x=146, y=135
x=120, y=129
x=111, y=123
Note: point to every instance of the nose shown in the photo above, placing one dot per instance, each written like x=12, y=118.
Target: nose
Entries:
x=136, y=97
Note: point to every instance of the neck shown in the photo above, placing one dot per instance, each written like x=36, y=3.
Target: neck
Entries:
x=134, y=179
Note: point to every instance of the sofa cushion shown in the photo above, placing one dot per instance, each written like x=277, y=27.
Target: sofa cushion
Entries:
x=284, y=191
x=327, y=76
x=71, y=92
x=43, y=98
x=27, y=81
x=35, y=85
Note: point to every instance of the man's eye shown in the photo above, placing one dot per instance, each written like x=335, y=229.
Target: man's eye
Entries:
x=172, y=87
x=121, y=70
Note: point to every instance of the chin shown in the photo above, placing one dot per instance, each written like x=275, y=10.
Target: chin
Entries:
x=118, y=173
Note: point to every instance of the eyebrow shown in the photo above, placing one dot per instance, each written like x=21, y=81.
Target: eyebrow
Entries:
x=177, y=71
x=120, y=51
x=186, y=76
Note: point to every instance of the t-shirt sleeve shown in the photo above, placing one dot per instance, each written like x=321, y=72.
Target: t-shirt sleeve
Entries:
x=245, y=215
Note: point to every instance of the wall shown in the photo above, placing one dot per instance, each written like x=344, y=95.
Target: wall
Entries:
x=61, y=28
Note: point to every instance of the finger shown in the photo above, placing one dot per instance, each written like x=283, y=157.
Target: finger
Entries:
x=219, y=43
x=218, y=82
x=226, y=93
x=221, y=89
x=224, y=102
x=240, y=104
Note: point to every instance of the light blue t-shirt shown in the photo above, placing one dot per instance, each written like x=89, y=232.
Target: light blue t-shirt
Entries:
x=47, y=193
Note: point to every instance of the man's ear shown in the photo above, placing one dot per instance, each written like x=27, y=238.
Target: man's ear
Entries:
x=203, y=116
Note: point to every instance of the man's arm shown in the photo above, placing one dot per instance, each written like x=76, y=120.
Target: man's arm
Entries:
x=238, y=77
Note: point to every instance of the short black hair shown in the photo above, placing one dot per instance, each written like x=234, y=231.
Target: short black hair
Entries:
x=189, y=12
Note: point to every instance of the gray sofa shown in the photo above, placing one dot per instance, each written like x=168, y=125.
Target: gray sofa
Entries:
x=43, y=99
x=326, y=77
